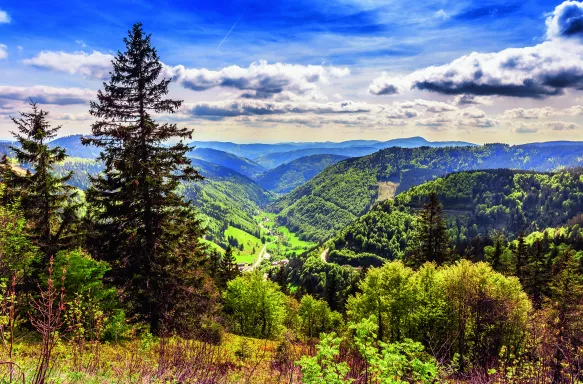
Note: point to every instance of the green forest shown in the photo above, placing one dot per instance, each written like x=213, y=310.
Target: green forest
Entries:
x=145, y=260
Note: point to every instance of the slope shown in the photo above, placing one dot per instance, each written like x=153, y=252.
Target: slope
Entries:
x=476, y=203
x=346, y=190
x=238, y=164
x=291, y=175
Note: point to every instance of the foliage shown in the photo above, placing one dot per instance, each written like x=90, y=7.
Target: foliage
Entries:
x=395, y=363
x=316, y=317
x=255, y=306
x=323, y=368
x=465, y=310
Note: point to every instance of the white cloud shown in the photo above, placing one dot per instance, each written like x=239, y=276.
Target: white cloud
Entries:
x=546, y=69
x=261, y=80
x=4, y=17
x=3, y=51
x=544, y=126
x=92, y=65
x=81, y=43
x=541, y=113
x=428, y=105
x=442, y=14
x=566, y=21
x=472, y=100
x=47, y=95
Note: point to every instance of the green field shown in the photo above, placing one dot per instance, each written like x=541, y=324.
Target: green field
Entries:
x=251, y=245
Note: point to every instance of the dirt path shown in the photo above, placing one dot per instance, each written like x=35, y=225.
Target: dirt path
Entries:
x=259, y=259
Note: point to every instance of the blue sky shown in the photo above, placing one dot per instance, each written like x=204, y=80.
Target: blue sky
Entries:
x=344, y=69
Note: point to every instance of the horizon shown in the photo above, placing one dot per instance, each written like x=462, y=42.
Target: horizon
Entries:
x=463, y=71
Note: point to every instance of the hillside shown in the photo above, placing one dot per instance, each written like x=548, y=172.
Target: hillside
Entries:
x=74, y=147
x=276, y=159
x=475, y=203
x=238, y=164
x=346, y=190
x=225, y=198
x=288, y=176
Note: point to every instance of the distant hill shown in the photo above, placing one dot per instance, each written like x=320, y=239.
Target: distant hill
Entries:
x=291, y=175
x=475, y=203
x=239, y=164
x=345, y=191
x=72, y=144
x=253, y=151
x=274, y=160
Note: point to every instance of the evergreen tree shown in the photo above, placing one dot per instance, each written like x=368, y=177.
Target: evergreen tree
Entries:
x=46, y=200
x=228, y=267
x=434, y=242
x=148, y=233
x=566, y=307
x=520, y=256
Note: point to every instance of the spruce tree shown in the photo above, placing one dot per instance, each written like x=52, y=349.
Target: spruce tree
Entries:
x=148, y=233
x=433, y=238
x=48, y=203
x=228, y=267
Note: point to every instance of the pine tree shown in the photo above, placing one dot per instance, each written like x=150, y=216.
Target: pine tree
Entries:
x=148, y=233
x=434, y=242
x=228, y=267
x=47, y=201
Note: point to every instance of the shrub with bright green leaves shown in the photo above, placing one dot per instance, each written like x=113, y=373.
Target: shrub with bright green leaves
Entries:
x=256, y=307
x=395, y=363
x=94, y=309
x=324, y=367
x=467, y=310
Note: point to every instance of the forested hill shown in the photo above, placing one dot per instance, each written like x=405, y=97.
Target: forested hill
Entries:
x=476, y=203
x=347, y=190
x=288, y=176
x=274, y=160
x=241, y=165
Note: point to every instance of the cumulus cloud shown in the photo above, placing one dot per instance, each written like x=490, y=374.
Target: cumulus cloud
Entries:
x=547, y=126
x=94, y=65
x=566, y=21
x=540, y=71
x=541, y=113
x=4, y=17
x=3, y=51
x=260, y=80
x=47, y=95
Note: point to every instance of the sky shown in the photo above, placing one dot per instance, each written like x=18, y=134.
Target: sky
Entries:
x=312, y=70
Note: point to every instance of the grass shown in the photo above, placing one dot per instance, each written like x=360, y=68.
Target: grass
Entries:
x=292, y=242
x=146, y=360
x=250, y=242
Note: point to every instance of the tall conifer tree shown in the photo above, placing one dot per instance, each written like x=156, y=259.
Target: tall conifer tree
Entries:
x=434, y=242
x=47, y=201
x=142, y=226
